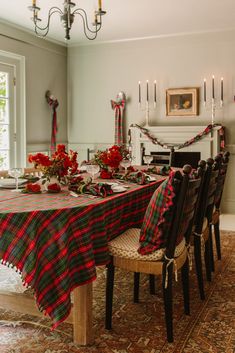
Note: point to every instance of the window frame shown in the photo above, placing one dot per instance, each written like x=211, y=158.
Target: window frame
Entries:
x=17, y=62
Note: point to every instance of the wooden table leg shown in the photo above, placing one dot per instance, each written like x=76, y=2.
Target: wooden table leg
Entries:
x=82, y=315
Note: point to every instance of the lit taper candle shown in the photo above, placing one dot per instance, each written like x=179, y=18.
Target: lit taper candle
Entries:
x=213, y=87
x=139, y=93
x=147, y=94
x=222, y=90
x=155, y=93
x=204, y=91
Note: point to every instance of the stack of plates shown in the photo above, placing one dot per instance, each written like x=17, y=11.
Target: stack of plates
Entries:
x=10, y=183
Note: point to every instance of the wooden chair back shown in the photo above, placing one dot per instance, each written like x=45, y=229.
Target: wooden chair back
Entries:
x=206, y=197
x=187, y=191
x=222, y=161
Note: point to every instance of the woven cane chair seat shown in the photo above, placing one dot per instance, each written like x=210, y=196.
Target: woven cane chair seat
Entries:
x=127, y=244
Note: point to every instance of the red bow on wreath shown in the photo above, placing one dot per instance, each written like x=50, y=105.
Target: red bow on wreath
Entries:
x=119, y=109
x=53, y=103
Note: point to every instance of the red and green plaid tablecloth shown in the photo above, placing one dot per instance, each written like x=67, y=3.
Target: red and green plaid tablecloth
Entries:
x=56, y=241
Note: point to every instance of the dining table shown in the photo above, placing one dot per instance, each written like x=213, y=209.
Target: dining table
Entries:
x=56, y=241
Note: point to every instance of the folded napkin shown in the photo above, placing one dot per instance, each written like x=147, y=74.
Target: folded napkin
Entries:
x=165, y=170
x=99, y=189
x=80, y=186
x=137, y=177
x=30, y=178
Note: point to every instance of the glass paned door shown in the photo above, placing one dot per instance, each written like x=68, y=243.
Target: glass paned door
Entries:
x=6, y=117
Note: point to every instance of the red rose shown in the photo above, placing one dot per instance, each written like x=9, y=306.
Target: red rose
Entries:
x=104, y=174
x=54, y=187
x=60, y=148
x=30, y=187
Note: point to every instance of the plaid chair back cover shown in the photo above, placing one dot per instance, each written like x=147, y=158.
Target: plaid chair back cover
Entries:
x=158, y=218
x=162, y=219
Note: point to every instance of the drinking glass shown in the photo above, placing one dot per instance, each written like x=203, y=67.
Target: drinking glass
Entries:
x=92, y=169
x=148, y=159
x=125, y=163
x=16, y=173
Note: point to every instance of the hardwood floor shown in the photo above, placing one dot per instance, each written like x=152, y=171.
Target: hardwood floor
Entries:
x=227, y=222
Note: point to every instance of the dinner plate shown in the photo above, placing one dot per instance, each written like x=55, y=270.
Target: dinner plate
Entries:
x=117, y=184
x=151, y=178
x=10, y=183
x=118, y=188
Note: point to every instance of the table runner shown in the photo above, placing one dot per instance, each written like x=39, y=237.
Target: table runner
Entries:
x=56, y=241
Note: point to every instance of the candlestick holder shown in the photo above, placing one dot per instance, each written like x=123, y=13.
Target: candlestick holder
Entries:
x=147, y=111
x=213, y=104
x=214, y=107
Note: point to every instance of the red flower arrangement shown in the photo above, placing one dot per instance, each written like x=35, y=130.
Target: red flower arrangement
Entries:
x=59, y=165
x=111, y=157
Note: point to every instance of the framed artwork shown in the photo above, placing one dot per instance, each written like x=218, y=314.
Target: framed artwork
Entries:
x=182, y=101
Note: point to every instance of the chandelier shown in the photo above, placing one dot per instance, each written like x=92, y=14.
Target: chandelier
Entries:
x=67, y=17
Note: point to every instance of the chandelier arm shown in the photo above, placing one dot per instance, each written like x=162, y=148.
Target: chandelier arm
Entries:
x=85, y=21
x=85, y=29
x=51, y=12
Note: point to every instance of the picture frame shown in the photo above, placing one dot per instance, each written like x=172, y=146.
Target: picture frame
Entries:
x=182, y=101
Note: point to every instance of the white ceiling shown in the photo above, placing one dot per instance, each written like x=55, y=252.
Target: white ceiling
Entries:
x=126, y=19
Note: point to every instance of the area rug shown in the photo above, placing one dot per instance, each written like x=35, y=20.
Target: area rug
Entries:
x=140, y=328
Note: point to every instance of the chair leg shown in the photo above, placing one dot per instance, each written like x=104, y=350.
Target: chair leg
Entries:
x=211, y=249
x=185, y=286
x=152, y=284
x=217, y=240
x=109, y=295
x=168, y=305
x=136, y=287
x=198, y=265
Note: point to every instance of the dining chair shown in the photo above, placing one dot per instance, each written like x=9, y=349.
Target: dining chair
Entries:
x=202, y=228
x=222, y=160
x=27, y=171
x=3, y=174
x=174, y=226
x=90, y=153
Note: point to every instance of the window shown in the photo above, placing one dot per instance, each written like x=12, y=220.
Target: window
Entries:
x=6, y=116
x=12, y=111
